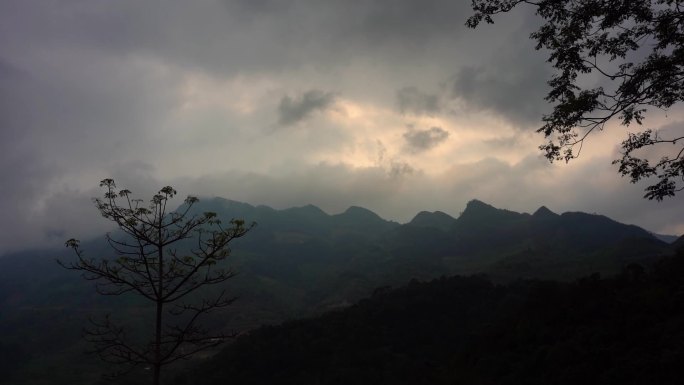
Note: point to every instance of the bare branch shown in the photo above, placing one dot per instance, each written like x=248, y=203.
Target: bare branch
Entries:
x=636, y=46
x=146, y=264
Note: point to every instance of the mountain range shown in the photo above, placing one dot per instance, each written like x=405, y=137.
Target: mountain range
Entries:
x=302, y=261
x=502, y=243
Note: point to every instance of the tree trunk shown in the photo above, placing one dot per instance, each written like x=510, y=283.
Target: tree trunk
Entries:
x=157, y=344
x=160, y=305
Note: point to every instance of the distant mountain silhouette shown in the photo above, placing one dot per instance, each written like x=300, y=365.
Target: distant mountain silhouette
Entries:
x=480, y=215
x=544, y=213
x=437, y=220
x=302, y=261
x=363, y=220
x=679, y=243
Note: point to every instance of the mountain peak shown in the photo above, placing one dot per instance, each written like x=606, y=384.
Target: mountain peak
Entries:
x=359, y=212
x=478, y=213
x=359, y=216
x=308, y=209
x=435, y=219
x=222, y=205
x=229, y=202
x=544, y=212
x=475, y=204
x=477, y=207
x=679, y=243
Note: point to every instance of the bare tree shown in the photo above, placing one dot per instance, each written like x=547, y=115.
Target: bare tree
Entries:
x=149, y=262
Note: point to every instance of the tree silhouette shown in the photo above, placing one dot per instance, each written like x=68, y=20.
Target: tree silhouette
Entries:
x=637, y=47
x=155, y=260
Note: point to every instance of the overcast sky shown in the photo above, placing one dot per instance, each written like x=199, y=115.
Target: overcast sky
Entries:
x=392, y=105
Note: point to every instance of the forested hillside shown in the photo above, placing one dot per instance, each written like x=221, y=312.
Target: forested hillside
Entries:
x=627, y=329
x=302, y=262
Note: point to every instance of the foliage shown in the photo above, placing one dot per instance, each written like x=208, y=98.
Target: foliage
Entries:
x=466, y=330
x=637, y=46
x=150, y=264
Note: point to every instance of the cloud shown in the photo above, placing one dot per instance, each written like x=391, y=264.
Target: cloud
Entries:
x=511, y=83
x=413, y=101
x=507, y=142
x=399, y=169
x=516, y=93
x=423, y=140
x=241, y=36
x=294, y=110
x=187, y=91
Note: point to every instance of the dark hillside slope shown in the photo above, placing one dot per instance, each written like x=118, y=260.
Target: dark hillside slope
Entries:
x=302, y=261
x=482, y=223
x=594, y=230
x=509, y=245
x=483, y=226
x=465, y=330
x=679, y=243
x=437, y=220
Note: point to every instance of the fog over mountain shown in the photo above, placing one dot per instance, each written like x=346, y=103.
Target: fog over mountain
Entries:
x=392, y=105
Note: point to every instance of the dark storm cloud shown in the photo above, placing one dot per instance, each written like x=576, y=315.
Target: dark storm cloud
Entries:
x=512, y=82
x=409, y=21
x=8, y=71
x=515, y=93
x=67, y=112
x=413, y=101
x=365, y=22
x=11, y=79
x=422, y=140
x=294, y=110
x=241, y=36
x=398, y=169
x=256, y=7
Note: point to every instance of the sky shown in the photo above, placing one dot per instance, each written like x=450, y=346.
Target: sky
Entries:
x=392, y=105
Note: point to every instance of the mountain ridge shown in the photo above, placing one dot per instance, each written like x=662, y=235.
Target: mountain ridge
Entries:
x=474, y=207
x=303, y=261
